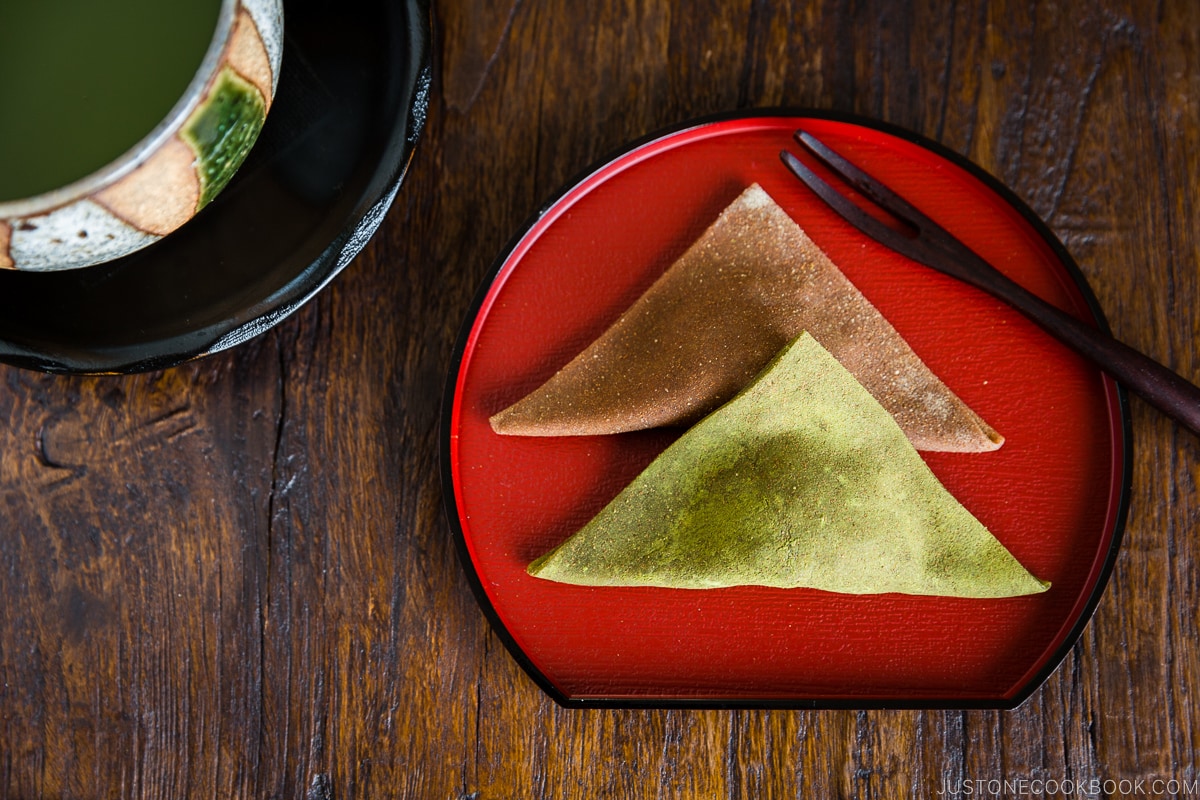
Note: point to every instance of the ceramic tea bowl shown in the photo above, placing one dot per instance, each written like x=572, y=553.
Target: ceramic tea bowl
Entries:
x=173, y=171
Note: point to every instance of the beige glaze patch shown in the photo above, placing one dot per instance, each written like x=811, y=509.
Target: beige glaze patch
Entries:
x=248, y=56
x=161, y=194
x=6, y=261
x=268, y=19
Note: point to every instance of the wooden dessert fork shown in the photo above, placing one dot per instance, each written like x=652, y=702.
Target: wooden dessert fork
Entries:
x=930, y=244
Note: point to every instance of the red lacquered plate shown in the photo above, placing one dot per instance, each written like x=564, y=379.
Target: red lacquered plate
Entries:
x=1054, y=494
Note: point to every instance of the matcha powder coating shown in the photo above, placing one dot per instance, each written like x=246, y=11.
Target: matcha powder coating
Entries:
x=802, y=480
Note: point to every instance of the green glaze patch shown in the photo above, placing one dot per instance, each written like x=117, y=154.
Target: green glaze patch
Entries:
x=802, y=480
x=222, y=131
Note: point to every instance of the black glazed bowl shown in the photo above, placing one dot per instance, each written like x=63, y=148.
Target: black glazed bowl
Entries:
x=350, y=106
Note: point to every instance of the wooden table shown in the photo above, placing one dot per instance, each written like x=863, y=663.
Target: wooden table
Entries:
x=234, y=578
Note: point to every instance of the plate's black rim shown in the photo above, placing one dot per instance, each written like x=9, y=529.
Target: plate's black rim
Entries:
x=1023, y=691
x=256, y=318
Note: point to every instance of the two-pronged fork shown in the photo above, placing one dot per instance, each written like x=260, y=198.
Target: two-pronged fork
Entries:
x=931, y=245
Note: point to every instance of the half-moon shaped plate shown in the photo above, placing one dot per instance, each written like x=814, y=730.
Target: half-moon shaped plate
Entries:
x=1054, y=494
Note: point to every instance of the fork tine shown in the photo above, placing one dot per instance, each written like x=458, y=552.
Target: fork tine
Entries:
x=846, y=209
x=934, y=246
x=864, y=183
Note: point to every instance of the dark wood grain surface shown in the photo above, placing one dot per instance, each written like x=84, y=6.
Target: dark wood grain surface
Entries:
x=234, y=578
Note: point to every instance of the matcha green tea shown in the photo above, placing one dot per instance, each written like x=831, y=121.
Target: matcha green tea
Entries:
x=82, y=81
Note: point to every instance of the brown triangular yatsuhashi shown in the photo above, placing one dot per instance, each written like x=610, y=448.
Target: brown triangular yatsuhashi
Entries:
x=802, y=480
x=749, y=285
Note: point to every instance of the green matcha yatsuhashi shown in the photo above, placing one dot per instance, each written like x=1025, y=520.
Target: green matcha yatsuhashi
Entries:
x=802, y=480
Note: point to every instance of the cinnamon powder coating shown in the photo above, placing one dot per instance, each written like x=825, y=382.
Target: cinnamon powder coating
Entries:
x=747, y=287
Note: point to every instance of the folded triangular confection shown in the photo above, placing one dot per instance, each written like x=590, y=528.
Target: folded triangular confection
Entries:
x=749, y=285
x=802, y=480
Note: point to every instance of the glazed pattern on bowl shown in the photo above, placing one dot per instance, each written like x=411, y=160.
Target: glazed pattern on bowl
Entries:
x=174, y=172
